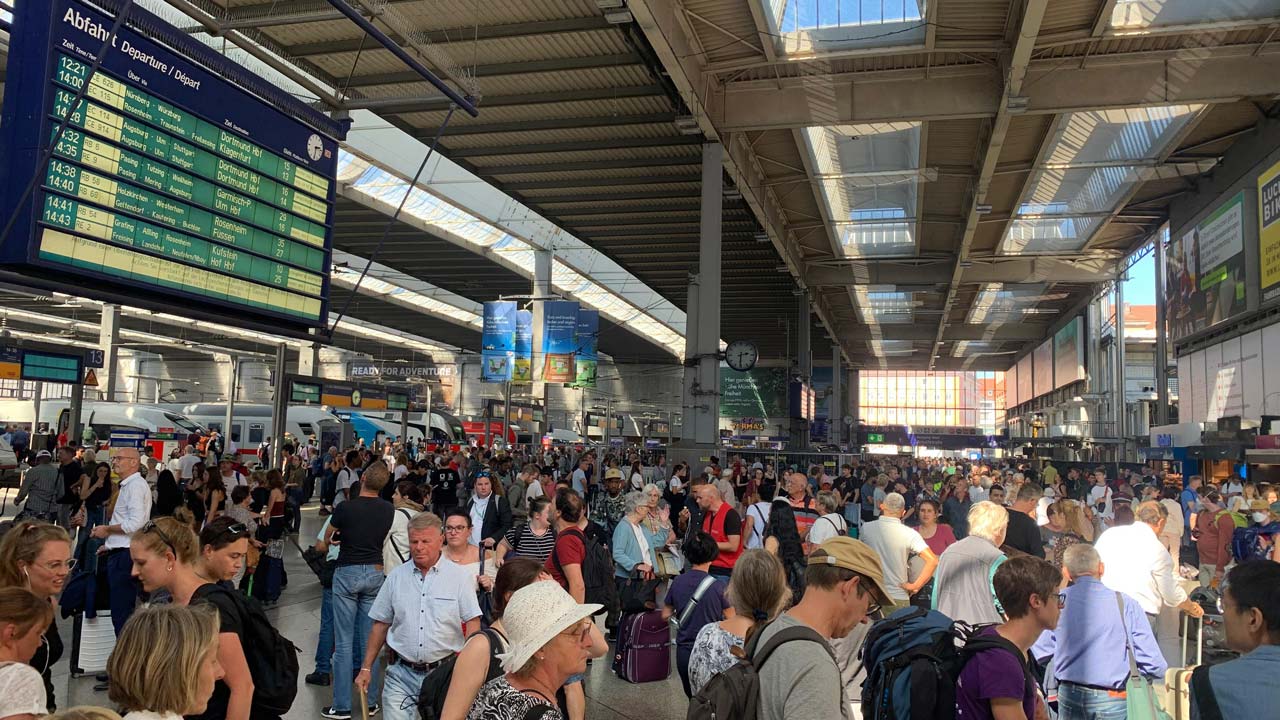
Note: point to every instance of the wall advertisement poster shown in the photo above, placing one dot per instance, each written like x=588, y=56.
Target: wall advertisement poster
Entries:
x=1204, y=271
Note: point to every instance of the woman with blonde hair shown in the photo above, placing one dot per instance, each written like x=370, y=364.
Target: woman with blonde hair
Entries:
x=166, y=555
x=85, y=712
x=758, y=592
x=165, y=662
x=24, y=617
x=36, y=556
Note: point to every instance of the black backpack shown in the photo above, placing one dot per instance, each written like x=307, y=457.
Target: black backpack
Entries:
x=597, y=571
x=913, y=660
x=435, y=686
x=735, y=693
x=271, y=657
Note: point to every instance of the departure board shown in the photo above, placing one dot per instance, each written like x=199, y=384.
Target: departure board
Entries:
x=182, y=181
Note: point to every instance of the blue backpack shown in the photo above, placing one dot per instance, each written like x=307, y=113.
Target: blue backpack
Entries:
x=913, y=659
x=1246, y=542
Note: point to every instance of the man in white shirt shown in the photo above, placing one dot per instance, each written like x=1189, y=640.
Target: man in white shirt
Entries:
x=186, y=463
x=895, y=543
x=579, y=478
x=231, y=477
x=131, y=514
x=1138, y=564
x=979, y=489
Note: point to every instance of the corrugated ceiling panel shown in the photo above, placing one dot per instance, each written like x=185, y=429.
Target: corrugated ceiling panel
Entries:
x=589, y=176
x=533, y=158
x=661, y=130
x=966, y=20
x=1026, y=134
x=954, y=142
x=1065, y=15
x=433, y=14
x=576, y=109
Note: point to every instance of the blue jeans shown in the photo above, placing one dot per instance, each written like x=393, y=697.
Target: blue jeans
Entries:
x=124, y=589
x=324, y=646
x=400, y=691
x=1083, y=703
x=354, y=589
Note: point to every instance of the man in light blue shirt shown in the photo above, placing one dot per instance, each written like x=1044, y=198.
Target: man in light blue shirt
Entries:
x=1245, y=687
x=419, y=614
x=1090, y=645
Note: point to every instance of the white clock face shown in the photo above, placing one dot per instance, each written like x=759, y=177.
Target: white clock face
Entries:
x=314, y=147
x=741, y=355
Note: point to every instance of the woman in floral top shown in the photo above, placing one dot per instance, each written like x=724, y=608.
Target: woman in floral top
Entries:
x=758, y=591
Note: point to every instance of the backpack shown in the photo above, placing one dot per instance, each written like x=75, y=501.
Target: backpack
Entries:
x=1246, y=543
x=735, y=693
x=913, y=660
x=271, y=657
x=1238, y=519
x=597, y=571
x=435, y=686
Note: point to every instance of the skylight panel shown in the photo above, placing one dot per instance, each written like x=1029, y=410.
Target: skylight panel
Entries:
x=816, y=26
x=1139, y=15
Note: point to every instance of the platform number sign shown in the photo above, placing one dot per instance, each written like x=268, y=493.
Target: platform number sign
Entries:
x=95, y=358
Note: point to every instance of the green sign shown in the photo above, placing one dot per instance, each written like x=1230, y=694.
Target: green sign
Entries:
x=50, y=367
x=144, y=191
x=875, y=438
x=757, y=393
x=397, y=401
x=304, y=393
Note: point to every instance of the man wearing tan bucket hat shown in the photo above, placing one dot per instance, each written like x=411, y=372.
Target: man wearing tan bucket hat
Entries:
x=844, y=583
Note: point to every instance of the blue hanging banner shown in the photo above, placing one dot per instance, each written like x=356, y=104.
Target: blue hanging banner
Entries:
x=586, y=360
x=523, y=369
x=498, y=343
x=559, y=340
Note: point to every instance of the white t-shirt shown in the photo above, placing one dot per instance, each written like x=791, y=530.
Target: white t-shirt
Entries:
x=185, y=463
x=1232, y=489
x=534, y=490
x=826, y=527
x=1101, y=494
x=977, y=494
x=21, y=691
x=401, y=472
x=895, y=543
x=580, y=481
x=637, y=481
x=1042, y=510
x=759, y=514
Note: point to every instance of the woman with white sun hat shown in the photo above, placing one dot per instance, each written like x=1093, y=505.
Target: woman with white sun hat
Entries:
x=550, y=639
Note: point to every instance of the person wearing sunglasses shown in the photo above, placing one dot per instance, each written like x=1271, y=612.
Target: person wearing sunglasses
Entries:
x=132, y=511
x=1244, y=687
x=37, y=556
x=224, y=544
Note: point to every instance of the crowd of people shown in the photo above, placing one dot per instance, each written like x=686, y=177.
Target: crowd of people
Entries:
x=483, y=583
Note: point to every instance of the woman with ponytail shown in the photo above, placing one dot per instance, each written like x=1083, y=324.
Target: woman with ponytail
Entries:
x=24, y=617
x=36, y=556
x=758, y=592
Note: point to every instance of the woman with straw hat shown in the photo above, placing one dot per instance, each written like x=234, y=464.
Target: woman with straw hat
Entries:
x=550, y=639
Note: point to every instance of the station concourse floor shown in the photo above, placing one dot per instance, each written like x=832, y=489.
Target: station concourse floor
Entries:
x=297, y=616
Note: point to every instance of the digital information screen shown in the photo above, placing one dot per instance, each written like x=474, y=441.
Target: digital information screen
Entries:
x=52, y=367
x=173, y=183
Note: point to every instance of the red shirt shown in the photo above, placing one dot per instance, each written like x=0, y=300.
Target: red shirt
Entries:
x=569, y=550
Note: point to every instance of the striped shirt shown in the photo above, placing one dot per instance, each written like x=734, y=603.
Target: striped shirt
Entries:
x=526, y=543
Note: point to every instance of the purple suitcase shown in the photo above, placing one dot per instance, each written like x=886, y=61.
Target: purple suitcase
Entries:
x=643, y=651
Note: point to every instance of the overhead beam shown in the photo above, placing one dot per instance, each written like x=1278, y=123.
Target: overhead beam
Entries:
x=923, y=333
x=573, y=123
x=575, y=146
x=1026, y=30
x=601, y=182
x=610, y=164
x=1003, y=270
x=589, y=62
x=1221, y=75
x=607, y=196
x=460, y=35
x=435, y=103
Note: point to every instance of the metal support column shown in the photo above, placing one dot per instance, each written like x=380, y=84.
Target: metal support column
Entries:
x=108, y=339
x=506, y=413
x=233, y=389
x=853, y=391
x=804, y=366
x=309, y=359
x=835, y=428
x=1162, y=339
x=543, y=260
x=36, y=396
x=280, y=406
x=690, y=380
x=706, y=410
x=1122, y=430
x=75, y=411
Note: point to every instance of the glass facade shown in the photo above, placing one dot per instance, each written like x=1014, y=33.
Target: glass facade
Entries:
x=917, y=397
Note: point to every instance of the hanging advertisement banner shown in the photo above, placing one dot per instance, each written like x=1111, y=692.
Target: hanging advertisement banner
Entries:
x=585, y=361
x=522, y=367
x=559, y=340
x=497, y=345
x=1068, y=357
x=1204, y=271
x=1269, y=232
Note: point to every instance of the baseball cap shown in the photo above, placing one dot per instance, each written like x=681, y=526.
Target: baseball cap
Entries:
x=44, y=454
x=612, y=473
x=1259, y=505
x=853, y=555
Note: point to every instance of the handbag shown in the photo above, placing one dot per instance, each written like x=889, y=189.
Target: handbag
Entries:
x=667, y=563
x=1140, y=698
x=484, y=598
x=638, y=595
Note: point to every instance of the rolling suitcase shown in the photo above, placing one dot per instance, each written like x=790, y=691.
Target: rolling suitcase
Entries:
x=643, y=652
x=1177, y=680
x=92, y=641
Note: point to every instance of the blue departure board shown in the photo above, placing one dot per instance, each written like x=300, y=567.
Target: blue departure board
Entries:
x=183, y=181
